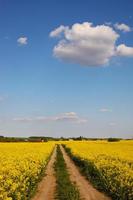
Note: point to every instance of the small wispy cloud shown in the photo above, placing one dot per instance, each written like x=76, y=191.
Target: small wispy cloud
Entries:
x=105, y=110
x=69, y=116
x=22, y=40
x=123, y=27
x=23, y=119
x=63, y=117
x=58, y=31
x=125, y=51
x=112, y=124
x=2, y=132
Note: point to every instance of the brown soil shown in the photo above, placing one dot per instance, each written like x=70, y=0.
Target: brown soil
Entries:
x=86, y=190
x=46, y=188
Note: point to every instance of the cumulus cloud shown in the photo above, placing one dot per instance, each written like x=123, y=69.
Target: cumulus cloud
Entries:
x=122, y=27
x=105, y=110
x=63, y=117
x=123, y=50
x=86, y=44
x=22, y=40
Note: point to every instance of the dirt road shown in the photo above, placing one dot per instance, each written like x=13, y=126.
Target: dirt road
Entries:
x=46, y=188
x=86, y=190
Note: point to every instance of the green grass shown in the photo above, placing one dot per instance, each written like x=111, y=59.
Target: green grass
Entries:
x=65, y=189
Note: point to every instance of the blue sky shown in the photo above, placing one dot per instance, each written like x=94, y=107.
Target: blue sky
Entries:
x=61, y=75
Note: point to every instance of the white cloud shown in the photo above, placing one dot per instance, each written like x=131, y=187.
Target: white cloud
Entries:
x=112, y=123
x=87, y=45
x=2, y=132
x=105, y=110
x=123, y=50
x=23, y=119
x=22, y=40
x=122, y=27
x=63, y=117
x=108, y=23
x=69, y=116
x=58, y=31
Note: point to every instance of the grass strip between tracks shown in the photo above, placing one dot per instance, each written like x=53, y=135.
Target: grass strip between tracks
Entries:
x=65, y=189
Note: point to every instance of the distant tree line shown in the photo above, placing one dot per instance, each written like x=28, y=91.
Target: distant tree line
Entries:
x=29, y=139
x=114, y=139
x=11, y=139
x=46, y=139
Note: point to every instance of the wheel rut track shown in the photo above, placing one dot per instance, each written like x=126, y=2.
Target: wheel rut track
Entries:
x=47, y=187
x=86, y=190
